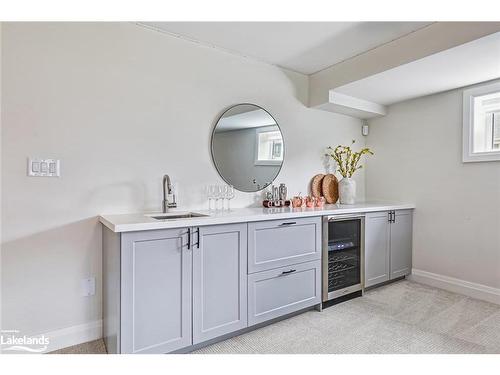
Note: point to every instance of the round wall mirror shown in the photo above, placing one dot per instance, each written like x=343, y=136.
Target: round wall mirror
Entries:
x=247, y=147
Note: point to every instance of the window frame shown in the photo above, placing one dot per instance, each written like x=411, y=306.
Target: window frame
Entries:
x=468, y=155
x=267, y=129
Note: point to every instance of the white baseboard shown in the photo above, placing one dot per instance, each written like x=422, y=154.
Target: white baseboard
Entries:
x=62, y=338
x=478, y=291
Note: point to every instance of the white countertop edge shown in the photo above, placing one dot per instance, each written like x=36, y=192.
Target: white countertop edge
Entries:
x=140, y=221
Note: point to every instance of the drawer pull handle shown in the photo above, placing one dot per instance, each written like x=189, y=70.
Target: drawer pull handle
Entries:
x=288, y=272
x=288, y=223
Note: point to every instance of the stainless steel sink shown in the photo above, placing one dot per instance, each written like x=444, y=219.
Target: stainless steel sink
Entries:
x=177, y=216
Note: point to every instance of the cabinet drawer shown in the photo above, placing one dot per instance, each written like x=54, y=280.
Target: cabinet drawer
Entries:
x=274, y=293
x=278, y=243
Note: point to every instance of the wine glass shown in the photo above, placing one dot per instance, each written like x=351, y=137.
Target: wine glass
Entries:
x=223, y=194
x=217, y=195
x=230, y=195
x=210, y=195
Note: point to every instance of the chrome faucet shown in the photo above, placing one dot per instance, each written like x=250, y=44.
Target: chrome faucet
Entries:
x=167, y=191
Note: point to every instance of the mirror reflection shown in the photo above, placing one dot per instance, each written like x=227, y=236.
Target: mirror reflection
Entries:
x=247, y=147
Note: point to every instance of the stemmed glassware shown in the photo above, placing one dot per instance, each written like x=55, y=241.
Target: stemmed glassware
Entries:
x=229, y=195
x=210, y=191
x=217, y=196
x=216, y=192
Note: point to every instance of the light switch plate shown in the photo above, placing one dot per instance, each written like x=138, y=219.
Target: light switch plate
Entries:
x=88, y=287
x=44, y=167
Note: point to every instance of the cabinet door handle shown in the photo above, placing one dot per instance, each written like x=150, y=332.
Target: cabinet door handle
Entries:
x=393, y=216
x=288, y=223
x=198, y=233
x=389, y=214
x=189, y=238
x=288, y=272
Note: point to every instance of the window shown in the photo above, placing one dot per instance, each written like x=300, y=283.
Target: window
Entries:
x=495, y=123
x=269, y=150
x=481, y=133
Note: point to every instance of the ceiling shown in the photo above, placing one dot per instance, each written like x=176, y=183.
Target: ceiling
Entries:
x=304, y=47
x=311, y=47
x=245, y=120
x=464, y=65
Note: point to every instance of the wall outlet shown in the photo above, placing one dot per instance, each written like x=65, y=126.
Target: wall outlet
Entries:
x=88, y=287
x=44, y=167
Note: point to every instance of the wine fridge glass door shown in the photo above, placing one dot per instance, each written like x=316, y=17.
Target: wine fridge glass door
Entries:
x=344, y=253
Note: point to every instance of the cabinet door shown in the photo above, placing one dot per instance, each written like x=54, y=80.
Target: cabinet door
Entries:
x=401, y=243
x=377, y=248
x=156, y=291
x=219, y=280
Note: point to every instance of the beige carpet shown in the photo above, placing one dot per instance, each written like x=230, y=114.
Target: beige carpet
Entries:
x=402, y=317
x=92, y=347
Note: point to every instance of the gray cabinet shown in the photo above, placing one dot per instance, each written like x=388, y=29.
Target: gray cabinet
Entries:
x=156, y=274
x=219, y=280
x=388, y=246
x=178, y=291
x=377, y=248
x=169, y=289
x=278, y=243
x=401, y=243
x=283, y=290
x=284, y=267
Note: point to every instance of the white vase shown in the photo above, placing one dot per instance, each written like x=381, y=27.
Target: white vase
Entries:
x=347, y=191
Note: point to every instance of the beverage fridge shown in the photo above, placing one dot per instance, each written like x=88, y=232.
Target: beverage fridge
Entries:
x=343, y=252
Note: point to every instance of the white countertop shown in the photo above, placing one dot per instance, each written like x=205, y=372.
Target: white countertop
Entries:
x=143, y=221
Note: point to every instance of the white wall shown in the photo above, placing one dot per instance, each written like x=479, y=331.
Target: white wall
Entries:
x=418, y=158
x=121, y=105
